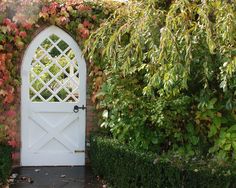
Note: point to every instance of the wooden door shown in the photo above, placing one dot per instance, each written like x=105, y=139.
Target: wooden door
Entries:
x=53, y=93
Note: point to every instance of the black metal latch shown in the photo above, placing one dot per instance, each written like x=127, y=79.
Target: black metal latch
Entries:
x=77, y=108
x=79, y=151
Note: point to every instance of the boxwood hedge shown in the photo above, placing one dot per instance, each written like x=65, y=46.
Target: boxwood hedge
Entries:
x=123, y=166
x=5, y=163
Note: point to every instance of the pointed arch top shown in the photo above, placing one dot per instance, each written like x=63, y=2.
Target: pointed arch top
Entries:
x=54, y=62
x=47, y=32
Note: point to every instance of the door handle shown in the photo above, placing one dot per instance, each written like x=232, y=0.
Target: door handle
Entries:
x=79, y=151
x=77, y=108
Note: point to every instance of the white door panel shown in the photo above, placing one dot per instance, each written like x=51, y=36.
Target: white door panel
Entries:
x=53, y=82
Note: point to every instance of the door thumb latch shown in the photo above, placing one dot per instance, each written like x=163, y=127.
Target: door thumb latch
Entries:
x=79, y=151
x=77, y=108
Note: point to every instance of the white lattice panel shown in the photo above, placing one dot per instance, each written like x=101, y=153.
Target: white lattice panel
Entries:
x=54, y=76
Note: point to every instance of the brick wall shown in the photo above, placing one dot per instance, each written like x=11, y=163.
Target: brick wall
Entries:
x=91, y=118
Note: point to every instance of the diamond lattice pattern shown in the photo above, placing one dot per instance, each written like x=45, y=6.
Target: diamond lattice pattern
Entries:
x=54, y=76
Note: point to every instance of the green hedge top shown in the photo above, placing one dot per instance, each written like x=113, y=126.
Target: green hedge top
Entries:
x=5, y=162
x=123, y=166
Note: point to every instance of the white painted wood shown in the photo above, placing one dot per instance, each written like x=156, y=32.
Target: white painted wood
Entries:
x=51, y=131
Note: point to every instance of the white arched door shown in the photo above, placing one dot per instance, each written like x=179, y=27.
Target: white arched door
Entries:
x=53, y=100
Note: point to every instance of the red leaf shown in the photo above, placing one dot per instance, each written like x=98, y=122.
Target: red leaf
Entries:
x=9, y=97
x=53, y=8
x=6, y=21
x=87, y=24
x=94, y=17
x=13, y=26
x=2, y=58
x=27, y=25
x=12, y=143
x=11, y=113
x=22, y=34
x=1, y=82
x=64, y=20
x=45, y=9
x=84, y=33
x=83, y=8
x=15, y=155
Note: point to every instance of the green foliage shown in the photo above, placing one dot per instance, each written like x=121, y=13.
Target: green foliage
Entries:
x=19, y=22
x=3, y=135
x=169, y=75
x=123, y=166
x=5, y=163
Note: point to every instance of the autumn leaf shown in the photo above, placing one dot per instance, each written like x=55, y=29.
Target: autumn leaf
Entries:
x=27, y=25
x=11, y=113
x=7, y=21
x=87, y=24
x=84, y=33
x=63, y=20
x=9, y=96
x=82, y=7
x=2, y=58
x=94, y=17
x=12, y=143
x=1, y=82
x=23, y=34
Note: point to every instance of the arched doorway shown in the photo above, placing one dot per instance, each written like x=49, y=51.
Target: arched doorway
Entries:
x=53, y=97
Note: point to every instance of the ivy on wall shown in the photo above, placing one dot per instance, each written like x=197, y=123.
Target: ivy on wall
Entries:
x=19, y=21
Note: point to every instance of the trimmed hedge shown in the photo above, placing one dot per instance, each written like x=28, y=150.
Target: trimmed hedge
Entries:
x=123, y=167
x=5, y=163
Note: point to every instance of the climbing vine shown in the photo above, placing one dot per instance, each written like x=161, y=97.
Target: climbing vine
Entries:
x=19, y=23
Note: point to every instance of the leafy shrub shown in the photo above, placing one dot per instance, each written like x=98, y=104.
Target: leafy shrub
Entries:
x=123, y=166
x=5, y=156
x=3, y=135
x=5, y=162
x=167, y=75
